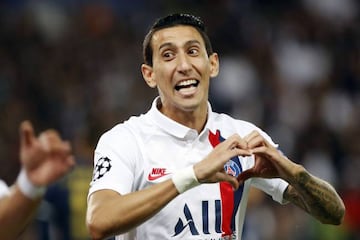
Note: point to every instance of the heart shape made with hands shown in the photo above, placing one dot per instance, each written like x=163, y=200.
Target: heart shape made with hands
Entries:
x=269, y=162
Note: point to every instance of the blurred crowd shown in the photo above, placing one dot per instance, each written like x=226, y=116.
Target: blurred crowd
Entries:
x=290, y=67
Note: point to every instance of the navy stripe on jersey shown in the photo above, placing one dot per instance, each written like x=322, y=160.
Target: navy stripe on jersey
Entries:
x=230, y=200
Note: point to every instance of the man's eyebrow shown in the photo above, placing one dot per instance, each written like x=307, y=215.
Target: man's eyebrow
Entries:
x=192, y=42
x=169, y=44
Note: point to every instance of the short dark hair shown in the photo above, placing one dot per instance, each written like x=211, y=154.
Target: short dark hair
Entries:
x=171, y=21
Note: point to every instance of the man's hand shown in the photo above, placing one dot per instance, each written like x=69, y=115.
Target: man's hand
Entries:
x=269, y=161
x=211, y=169
x=46, y=158
x=314, y=195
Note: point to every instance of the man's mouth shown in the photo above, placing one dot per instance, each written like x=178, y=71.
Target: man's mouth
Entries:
x=187, y=84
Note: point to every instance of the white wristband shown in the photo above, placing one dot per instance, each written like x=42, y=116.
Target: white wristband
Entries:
x=27, y=187
x=185, y=179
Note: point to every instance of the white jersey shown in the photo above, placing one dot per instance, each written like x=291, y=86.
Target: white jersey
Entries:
x=149, y=148
x=4, y=189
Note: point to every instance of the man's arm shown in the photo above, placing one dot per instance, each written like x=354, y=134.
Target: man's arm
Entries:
x=44, y=160
x=310, y=193
x=16, y=211
x=316, y=197
x=109, y=213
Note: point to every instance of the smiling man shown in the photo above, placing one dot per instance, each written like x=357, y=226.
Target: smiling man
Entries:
x=181, y=71
x=182, y=171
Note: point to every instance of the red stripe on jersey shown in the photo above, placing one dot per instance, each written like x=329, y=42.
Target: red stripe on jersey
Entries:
x=227, y=207
x=226, y=192
x=214, y=138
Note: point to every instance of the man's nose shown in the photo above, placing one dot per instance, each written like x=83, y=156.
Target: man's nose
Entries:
x=183, y=63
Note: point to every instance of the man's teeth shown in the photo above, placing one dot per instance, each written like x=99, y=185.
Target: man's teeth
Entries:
x=187, y=82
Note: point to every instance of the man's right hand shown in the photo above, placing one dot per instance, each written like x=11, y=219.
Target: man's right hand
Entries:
x=46, y=158
x=211, y=168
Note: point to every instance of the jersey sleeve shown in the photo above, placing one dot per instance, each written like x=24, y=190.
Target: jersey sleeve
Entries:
x=274, y=187
x=115, y=159
x=4, y=189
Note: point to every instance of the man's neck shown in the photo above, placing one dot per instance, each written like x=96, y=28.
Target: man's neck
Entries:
x=192, y=119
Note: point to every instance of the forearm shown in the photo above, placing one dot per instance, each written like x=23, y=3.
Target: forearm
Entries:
x=316, y=197
x=108, y=214
x=16, y=211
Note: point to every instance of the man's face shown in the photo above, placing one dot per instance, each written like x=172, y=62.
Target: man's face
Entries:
x=181, y=68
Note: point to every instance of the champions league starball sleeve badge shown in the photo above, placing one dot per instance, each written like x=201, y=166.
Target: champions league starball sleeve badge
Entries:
x=102, y=166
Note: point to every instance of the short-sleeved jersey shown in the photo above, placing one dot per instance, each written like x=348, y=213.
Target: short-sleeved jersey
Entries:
x=4, y=189
x=149, y=148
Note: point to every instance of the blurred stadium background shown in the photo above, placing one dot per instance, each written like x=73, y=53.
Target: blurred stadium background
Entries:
x=291, y=67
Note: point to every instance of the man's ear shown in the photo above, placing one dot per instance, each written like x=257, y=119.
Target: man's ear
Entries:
x=214, y=64
x=148, y=75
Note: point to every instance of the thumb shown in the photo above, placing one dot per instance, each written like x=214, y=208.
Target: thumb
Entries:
x=242, y=177
x=26, y=133
x=229, y=179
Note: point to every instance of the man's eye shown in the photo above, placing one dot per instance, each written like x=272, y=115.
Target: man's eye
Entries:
x=168, y=55
x=193, y=51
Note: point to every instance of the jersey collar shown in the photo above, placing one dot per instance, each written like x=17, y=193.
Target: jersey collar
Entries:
x=174, y=128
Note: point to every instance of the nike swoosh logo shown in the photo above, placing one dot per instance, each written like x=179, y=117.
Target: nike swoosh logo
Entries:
x=152, y=177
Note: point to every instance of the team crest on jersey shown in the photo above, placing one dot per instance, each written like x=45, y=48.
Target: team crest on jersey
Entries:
x=102, y=166
x=232, y=168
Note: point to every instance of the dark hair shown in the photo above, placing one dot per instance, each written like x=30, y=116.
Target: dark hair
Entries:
x=171, y=21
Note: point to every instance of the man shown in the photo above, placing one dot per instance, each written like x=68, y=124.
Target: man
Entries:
x=44, y=160
x=182, y=171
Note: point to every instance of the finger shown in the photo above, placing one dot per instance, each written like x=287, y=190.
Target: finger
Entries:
x=240, y=143
x=67, y=147
x=261, y=150
x=251, y=135
x=68, y=163
x=26, y=133
x=51, y=136
x=62, y=149
x=51, y=141
x=242, y=177
x=240, y=152
x=63, y=168
x=234, y=141
x=237, y=145
x=228, y=154
x=224, y=177
x=256, y=141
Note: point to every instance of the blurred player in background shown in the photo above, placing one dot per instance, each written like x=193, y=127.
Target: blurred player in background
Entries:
x=182, y=171
x=44, y=160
